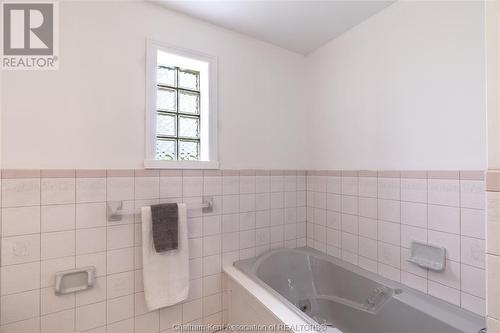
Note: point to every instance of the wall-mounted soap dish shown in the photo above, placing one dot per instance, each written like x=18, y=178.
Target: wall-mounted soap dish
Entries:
x=74, y=280
x=428, y=256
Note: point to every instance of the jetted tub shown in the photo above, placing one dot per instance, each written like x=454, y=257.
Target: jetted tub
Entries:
x=328, y=291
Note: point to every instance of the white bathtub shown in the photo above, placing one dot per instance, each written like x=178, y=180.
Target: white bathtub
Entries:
x=322, y=289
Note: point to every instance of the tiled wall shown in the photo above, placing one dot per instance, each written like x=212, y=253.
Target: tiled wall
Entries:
x=493, y=251
x=57, y=220
x=370, y=218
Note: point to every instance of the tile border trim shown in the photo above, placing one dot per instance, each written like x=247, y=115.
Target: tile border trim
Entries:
x=492, y=176
x=493, y=181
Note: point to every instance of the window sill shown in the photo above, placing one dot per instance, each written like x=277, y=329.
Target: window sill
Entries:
x=155, y=164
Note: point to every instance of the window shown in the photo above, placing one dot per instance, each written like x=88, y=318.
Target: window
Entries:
x=181, y=116
x=178, y=113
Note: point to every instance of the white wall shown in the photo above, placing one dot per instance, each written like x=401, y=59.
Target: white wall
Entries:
x=492, y=17
x=90, y=113
x=403, y=90
x=492, y=10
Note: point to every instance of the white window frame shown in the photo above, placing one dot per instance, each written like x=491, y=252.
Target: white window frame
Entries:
x=150, y=161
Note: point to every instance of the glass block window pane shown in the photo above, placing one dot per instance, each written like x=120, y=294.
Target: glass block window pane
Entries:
x=189, y=102
x=178, y=121
x=189, y=79
x=188, y=150
x=166, y=99
x=189, y=127
x=166, y=125
x=166, y=149
x=167, y=76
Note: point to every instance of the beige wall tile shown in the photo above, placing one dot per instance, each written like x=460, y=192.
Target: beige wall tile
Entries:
x=57, y=217
x=50, y=302
x=493, y=286
x=20, y=249
x=57, y=191
x=63, y=321
x=20, y=221
x=90, y=316
x=20, y=192
x=120, y=308
x=19, y=278
x=29, y=325
x=20, y=306
x=90, y=190
x=57, y=244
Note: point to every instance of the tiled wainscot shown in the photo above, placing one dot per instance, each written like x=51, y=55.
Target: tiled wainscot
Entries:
x=370, y=218
x=57, y=220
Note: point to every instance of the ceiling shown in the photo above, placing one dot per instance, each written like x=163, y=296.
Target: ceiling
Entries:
x=299, y=26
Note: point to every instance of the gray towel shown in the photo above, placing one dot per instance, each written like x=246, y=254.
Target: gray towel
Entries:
x=165, y=227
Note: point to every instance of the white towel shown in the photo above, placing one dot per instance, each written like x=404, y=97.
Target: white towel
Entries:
x=166, y=274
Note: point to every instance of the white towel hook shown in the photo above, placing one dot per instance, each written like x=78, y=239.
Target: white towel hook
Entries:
x=115, y=210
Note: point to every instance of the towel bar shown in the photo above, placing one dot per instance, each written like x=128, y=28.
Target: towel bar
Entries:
x=115, y=209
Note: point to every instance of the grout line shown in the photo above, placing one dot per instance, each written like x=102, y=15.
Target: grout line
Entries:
x=460, y=238
x=40, y=261
x=105, y=279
